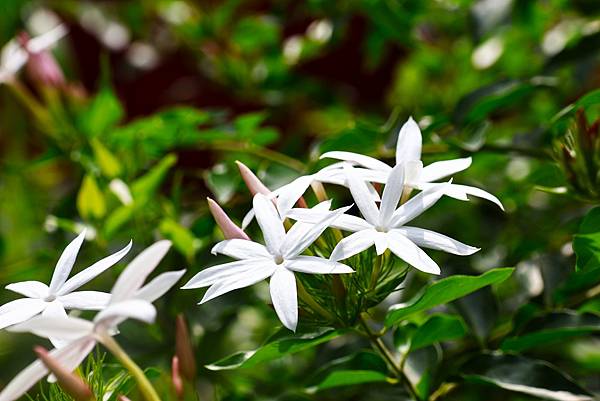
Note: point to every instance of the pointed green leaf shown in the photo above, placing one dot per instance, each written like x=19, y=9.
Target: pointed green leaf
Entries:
x=90, y=200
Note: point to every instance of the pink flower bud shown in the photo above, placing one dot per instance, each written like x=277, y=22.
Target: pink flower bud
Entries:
x=176, y=378
x=229, y=229
x=42, y=66
x=69, y=382
x=184, y=349
x=252, y=182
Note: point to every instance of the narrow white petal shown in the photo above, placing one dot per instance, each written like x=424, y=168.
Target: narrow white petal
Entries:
x=31, y=289
x=130, y=309
x=284, y=297
x=348, y=222
x=247, y=219
x=55, y=311
x=238, y=281
x=391, y=194
x=288, y=195
x=12, y=59
x=241, y=249
x=94, y=270
x=461, y=191
x=225, y=271
x=381, y=243
x=85, y=300
x=413, y=171
x=409, y=143
x=159, y=286
x=445, y=168
x=365, y=161
x=78, y=351
x=19, y=311
x=316, y=265
x=301, y=236
x=353, y=244
x=270, y=223
x=134, y=275
x=60, y=327
x=47, y=39
x=417, y=205
x=431, y=239
x=65, y=263
x=406, y=250
x=24, y=381
x=362, y=196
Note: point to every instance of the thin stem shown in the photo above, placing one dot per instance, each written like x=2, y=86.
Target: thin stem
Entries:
x=260, y=152
x=310, y=301
x=144, y=384
x=378, y=344
x=375, y=272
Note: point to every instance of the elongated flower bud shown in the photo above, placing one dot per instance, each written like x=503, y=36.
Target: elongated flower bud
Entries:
x=253, y=183
x=42, y=66
x=176, y=377
x=184, y=349
x=229, y=229
x=69, y=382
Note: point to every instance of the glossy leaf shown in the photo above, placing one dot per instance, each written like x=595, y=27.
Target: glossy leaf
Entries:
x=438, y=328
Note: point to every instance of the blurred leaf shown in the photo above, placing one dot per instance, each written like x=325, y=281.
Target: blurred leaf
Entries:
x=340, y=378
x=479, y=310
x=420, y=368
x=117, y=219
x=108, y=163
x=438, y=328
x=222, y=182
x=444, y=291
x=586, y=243
x=182, y=238
x=103, y=113
x=551, y=328
x=145, y=187
x=524, y=375
x=282, y=343
x=90, y=201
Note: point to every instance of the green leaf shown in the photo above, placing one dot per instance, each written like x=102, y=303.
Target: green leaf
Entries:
x=420, y=368
x=524, y=375
x=552, y=328
x=90, y=200
x=183, y=240
x=439, y=327
x=339, y=378
x=145, y=187
x=586, y=243
x=444, y=291
x=103, y=113
x=108, y=163
x=117, y=219
x=282, y=343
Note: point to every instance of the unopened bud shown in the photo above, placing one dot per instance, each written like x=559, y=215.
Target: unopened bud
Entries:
x=176, y=377
x=42, y=66
x=69, y=382
x=229, y=229
x=184, y=349
x=253, y=183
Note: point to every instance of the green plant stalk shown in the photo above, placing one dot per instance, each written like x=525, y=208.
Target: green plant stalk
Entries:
x=310, y=301
x=30, y=102
x=375, y=272
x=144, y=384
x=259, y=151
x=379, y=346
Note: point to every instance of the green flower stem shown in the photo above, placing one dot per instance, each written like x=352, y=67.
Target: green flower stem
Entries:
x=310, y=301
x=144, y=385
x=264, y=153
x=375, y=272
x=379, y=346
x=30, y=102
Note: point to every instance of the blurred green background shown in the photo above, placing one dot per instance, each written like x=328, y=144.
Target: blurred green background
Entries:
x=165, y=95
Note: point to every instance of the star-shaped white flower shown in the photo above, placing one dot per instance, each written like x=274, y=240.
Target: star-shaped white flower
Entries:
x=278, y=259
x=384, y=226
x=128, y=300
x=52, y=300
x=13, y=56
x=408, y=151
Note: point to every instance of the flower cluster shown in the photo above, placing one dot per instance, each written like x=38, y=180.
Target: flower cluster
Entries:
x=382, y=223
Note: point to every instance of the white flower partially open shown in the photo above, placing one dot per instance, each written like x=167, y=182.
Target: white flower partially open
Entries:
x=278, y=259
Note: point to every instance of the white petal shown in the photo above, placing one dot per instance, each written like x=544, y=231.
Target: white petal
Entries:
x=138, y=269
x=288, y=195
x=247, y=219
x=130, y=309
x=12, y=58
x=301, y=236
x=413, y=171
x=47, y=39
x=362, y=196
x=270, y=223
x=241, y=249
x=31, y=289
x=94, y=270
x=60, y=327
x=224, y=271
x=316, y=265
x=410, y=253
x=365, y=161
x=353, y=244
x=431, y=239
x=85, y=300
x=284, y=297
x=79, y=350
x=238, y=281
x=461, y=191
x=19, y=311
x=391, y=194
x=381, y=243
x=159, y=286
x=438, y=170
x=409, y=143
x=417, y=205
x=65, y=263
x=55, y=311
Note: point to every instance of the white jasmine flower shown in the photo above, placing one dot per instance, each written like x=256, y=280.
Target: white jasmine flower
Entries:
x=408, y=150
x=384, y=226
x=278, y=259
x=52, y=300
x=128, y=300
